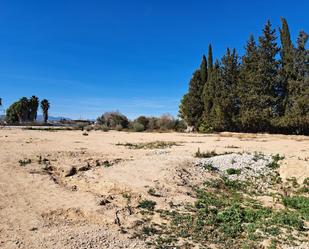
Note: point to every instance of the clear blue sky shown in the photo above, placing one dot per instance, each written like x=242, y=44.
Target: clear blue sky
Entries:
x=137, y=57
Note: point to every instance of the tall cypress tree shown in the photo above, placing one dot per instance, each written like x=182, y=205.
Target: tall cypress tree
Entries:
x=287, y=71
x=210, y=95
x=210, y=60
x=208, y=92
x=203, y=68
x=192, y=105
x=287, y=49
x=214, y=116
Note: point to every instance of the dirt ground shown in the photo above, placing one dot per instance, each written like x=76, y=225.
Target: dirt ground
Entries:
x=46, y=204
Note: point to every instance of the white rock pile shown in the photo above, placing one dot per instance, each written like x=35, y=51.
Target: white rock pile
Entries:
x=246, y=165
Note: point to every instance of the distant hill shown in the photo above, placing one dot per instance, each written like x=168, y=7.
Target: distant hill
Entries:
x=40, y=118
x=51, y=118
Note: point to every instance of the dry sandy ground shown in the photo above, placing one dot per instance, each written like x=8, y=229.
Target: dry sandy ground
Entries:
x=41, y=208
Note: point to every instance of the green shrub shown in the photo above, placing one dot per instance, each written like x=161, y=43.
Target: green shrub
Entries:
x=138, y=127
x=149, y=145
x=300, y=203
x=180, y=125
x=232, y=171
x=104, y=128
x=210, y=167
x=275, y=159
x=24, y=162
x=147, y=204
x=143, y=121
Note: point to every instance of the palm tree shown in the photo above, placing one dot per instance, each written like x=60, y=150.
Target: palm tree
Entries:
x=45, y=107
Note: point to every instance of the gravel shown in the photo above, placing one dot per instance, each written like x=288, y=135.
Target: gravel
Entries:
x=239, y=166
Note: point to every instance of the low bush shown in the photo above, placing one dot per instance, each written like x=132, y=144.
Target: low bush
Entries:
x=147, y=204
x=232, y=171
x=24, y=162
x=138, y=127
x=149, y=145
x=300, y=203
x=104, y=128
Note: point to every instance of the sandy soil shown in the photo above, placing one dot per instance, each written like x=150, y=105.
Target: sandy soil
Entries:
x=42, y=208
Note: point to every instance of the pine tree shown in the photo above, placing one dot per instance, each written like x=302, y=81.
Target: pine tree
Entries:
x=296, y=119
x=267, y=75
x=228, y=102
x=248, y=89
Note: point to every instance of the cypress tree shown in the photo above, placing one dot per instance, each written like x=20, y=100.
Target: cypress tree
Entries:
x=184, y=107
x=214, y=114
x=208, y=93
x=203, y=68
x=210, y=96
x=286, y=72
x=287, y=49
x=210, y=60
x=192, y=104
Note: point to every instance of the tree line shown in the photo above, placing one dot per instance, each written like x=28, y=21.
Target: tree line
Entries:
x=25, y=110
x=265, y=90
x=118, y=121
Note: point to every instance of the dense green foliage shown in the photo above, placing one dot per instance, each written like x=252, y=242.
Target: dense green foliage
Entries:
x=266, y=90
x=23, y=110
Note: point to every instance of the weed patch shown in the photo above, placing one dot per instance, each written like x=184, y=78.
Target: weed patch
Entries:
x=150, y=145
x=24, y=162
x=232, y=171
x=300, y=203
x=225, y=216
x=208, y=154
x=147, y=204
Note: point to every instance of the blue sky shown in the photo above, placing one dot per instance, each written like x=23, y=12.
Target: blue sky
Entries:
x=88, y=57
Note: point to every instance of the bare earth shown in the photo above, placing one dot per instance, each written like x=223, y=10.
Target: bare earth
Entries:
x=41, y=207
